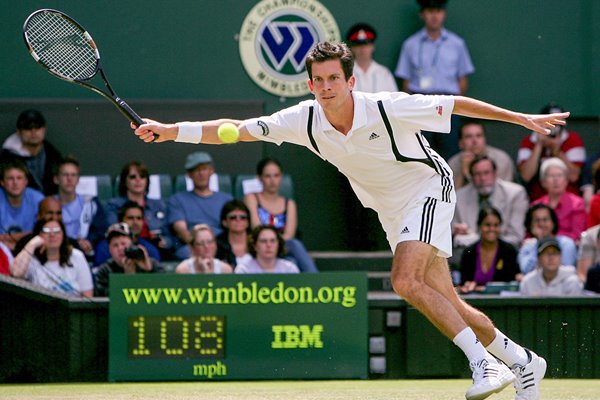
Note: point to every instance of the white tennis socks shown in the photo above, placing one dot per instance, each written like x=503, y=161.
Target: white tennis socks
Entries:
x=507, y=350
x=470, y=345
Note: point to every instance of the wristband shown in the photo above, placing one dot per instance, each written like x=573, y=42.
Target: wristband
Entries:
x=189, y=132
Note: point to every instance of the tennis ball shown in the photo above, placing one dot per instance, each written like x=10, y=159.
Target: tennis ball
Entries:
x=228, y=133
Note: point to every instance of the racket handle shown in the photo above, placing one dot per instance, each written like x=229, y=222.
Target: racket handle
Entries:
x=130, y=114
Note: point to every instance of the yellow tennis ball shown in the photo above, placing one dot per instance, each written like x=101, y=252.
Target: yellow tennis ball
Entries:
x=228, y=133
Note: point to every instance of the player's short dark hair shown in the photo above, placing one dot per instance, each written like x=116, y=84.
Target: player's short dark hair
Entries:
x=325, y=51
x=30, y=119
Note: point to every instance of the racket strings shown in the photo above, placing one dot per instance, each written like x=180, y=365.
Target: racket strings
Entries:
x=62, y=46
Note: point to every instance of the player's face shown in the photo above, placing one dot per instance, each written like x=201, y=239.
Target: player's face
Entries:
x=266, y=244
x=484, y=177
x=136, y=183
x=67, y=178
x=271, y=178
x=433, y=18
x=205, y=245
x=32, y=137
x=14, y=182
x=490, y=229
x=473, y=139
x=329, y=85
x=555, y=181
x=135, y=219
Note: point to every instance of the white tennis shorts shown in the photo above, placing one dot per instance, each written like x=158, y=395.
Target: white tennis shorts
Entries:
x=428, y=220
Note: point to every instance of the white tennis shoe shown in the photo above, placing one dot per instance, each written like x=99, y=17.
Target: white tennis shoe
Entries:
x=489, y=376
x=529, y=377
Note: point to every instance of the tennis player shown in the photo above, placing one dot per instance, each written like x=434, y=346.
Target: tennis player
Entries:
x=375, y=140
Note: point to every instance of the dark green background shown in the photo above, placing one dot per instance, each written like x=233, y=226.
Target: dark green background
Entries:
x=248, y=336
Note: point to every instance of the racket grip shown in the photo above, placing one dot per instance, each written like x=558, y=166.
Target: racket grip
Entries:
x=130, y=114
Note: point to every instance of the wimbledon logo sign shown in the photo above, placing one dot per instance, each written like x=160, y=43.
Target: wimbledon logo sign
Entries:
x=275, y=38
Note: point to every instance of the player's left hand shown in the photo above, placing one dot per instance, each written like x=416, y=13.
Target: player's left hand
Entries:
x=543, y=123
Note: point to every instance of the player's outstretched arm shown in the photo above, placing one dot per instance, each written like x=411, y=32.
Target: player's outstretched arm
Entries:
x=541, y=123
x=190, y=132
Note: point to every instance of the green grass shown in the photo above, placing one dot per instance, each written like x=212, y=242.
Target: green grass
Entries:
x=289, y=390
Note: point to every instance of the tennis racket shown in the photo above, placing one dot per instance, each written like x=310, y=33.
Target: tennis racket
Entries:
x=66, y=50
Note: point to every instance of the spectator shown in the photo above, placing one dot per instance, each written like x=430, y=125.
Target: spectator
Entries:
x=370, y=75
x=232, y=243
x=126, y=258
x=18, y=203
x=83, y=216
x=132, y=214
x=541, y=221
x=593, y=205
x=267, y=248
x=589, y=251
x=588, y=188
x=29, y=145
x=436, y=61
x=551, y=278
x=198, y=206
x=48, y=209
x=270, y=208
x=490, y=259
x=48, y=260
x=487, y=190
x=6, y=259
x=592, y=283
x=133, y=186
x=536, y=148
x=472, y=143
x=569, y=207
x=203, y=248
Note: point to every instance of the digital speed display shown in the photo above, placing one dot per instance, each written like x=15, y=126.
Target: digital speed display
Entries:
x=216, y=327
x=176, y=336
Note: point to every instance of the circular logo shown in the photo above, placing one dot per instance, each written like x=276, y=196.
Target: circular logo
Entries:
x=275, y=38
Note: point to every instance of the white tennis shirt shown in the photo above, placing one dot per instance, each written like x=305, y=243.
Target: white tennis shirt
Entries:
x=385, y=180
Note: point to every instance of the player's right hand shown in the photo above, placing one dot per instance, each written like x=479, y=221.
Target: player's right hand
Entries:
x=146, y=132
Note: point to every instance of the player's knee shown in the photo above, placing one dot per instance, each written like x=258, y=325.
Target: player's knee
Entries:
x=405, y=286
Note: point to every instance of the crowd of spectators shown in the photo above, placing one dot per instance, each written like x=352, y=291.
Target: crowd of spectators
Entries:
x=531, y=219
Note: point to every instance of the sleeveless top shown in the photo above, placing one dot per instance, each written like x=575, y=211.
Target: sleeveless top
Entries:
x=266, y=218
x=217, y=266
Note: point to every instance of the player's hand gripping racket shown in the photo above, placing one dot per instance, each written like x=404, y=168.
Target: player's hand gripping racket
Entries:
x=59, y=44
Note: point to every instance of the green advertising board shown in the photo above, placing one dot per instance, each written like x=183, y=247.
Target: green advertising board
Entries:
x=216, y=327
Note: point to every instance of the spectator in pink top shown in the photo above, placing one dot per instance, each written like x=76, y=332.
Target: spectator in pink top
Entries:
x=569, y=208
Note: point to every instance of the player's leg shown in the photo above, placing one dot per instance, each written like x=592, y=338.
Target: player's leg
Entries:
x=527, y=366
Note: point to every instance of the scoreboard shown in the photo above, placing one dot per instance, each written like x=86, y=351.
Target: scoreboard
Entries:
x=218, y=327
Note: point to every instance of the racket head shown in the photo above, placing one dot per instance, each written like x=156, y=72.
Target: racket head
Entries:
x=62, y=46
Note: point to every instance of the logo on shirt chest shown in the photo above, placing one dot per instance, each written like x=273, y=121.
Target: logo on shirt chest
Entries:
x=373, y=136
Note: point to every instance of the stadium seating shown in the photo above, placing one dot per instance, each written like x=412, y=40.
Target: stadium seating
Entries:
x=247, y=183
x=95, y=185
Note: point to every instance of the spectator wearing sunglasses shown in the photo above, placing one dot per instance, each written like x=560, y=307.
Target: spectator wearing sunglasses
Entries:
x=232, y=243
x=50, y=261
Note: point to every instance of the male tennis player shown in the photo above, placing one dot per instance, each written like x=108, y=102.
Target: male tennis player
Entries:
x=375, y=140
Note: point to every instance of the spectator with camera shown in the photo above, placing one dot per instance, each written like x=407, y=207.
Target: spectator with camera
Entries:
x=126, y=258
x=132, y=214
x=562, y=143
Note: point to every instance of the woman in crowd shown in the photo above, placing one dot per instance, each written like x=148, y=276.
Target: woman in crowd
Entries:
x=569, y=208
x=267, y=248
x=133, y=186
x=270, y=208
x=203, y=248
x=50, y=261
x=232, y=243
x=490, y=259
x=540, y=222
x=594, y=213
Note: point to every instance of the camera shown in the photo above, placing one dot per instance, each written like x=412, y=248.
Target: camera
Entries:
x=134, y=253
